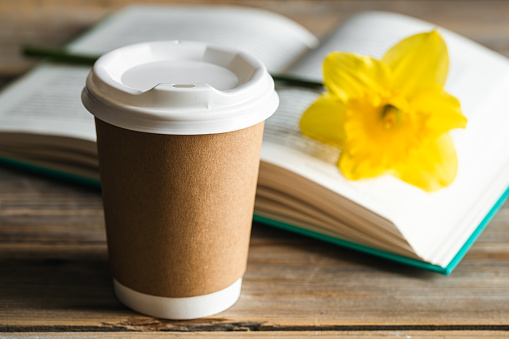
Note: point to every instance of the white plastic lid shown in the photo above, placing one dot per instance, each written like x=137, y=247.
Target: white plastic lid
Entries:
x=180, y=87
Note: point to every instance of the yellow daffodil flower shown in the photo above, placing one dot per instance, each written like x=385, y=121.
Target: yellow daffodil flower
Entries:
x=390, y=115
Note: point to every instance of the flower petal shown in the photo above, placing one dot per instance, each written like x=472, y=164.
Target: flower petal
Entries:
x=324, y=120
x=418, y=62
x=355, y=166
x=350, y=76
x=442, y=110
x=431, y=167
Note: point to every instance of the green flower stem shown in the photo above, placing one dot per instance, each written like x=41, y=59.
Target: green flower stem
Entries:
x=59, y=55
x=64, y=56
x=296, y=81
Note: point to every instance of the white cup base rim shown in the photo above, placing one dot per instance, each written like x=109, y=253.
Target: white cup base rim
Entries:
x=179, y=308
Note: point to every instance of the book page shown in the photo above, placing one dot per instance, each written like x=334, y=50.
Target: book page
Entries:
x=47, y=100
x=276, y=40
x=436, y=224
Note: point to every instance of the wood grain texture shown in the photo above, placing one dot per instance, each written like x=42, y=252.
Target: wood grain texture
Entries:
x=54, y=277
x=53, y=264
x=283, y=335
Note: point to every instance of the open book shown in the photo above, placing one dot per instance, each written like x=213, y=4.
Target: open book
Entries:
x=43, y=125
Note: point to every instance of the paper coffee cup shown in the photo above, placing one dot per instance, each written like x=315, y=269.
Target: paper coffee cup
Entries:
x=179, y=130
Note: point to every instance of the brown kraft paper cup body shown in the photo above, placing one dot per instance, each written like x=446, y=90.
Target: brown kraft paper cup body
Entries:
x=178, y=208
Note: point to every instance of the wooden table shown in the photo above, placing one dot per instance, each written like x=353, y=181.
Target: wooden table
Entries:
x=54, y=279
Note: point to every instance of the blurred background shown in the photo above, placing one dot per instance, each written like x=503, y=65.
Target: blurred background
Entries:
x=53, y=22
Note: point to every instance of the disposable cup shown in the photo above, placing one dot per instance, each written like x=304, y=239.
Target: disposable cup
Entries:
x=179, y=129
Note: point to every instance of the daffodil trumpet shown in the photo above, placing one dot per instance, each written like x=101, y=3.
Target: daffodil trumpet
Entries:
x=390, y=116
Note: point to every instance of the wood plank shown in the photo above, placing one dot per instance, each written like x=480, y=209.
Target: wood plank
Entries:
x=287, y=335
x=54, y=276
